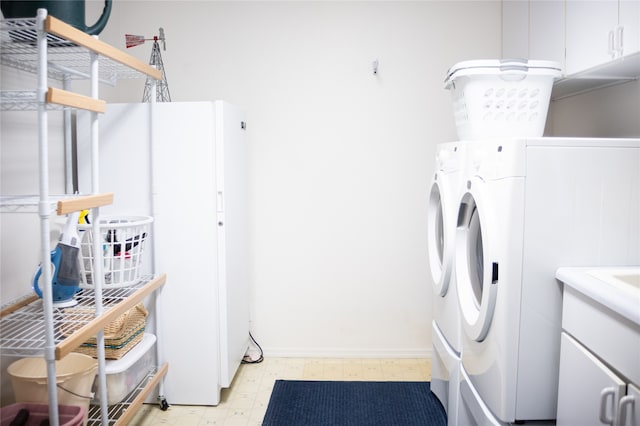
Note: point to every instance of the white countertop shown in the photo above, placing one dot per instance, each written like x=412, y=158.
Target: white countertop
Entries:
x=617, y=288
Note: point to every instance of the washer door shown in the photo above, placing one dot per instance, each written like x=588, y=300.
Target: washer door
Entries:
x=441, y=235
x=476, y=274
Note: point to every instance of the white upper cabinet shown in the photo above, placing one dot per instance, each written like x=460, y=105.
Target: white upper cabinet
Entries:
x=546, y=31
x=515, y=29
x=597, y=42
x=629, y=23
x=593, y=33
x=533, y=29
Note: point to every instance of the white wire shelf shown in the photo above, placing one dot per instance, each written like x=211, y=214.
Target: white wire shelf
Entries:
x=22, y=332
x=28, y=203
x=22, y=101
x=66, y=60
x=61, y=204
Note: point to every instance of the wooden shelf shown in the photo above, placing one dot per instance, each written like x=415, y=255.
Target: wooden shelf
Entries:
x=22, y=302
x=73, y=100
x=84, y=203
x=67, y=32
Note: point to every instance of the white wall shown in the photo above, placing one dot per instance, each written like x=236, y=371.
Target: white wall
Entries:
x=20, y=233
x=341, y=159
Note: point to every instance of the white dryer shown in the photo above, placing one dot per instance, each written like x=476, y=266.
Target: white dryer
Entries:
x=530, y=206
x=442, y=218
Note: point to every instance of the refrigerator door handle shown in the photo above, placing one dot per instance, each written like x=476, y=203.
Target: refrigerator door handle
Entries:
x=220, y=202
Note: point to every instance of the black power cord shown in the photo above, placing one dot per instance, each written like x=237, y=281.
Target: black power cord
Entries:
x=247, y=359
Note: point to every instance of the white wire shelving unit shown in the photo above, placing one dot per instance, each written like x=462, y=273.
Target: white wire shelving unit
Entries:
x=23, y=331
x=53, y=50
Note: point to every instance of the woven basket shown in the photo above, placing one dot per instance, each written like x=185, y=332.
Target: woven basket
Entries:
x=119, y=336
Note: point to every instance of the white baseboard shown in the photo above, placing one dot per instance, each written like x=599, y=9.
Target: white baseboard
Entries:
x=348, y=353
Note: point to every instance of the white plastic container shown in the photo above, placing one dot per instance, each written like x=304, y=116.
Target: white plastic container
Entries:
x=125, y=374
x=501, y=98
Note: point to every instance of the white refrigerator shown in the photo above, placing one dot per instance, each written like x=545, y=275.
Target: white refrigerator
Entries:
x=188, y=169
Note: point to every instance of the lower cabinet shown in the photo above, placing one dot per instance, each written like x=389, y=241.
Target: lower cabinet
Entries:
x=599, y=379
x=590, y=392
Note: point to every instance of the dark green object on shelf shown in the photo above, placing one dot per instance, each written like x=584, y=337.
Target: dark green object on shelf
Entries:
x=70, y=11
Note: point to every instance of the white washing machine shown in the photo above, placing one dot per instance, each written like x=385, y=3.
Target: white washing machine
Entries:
x=530, y=206
x=472, y=411
x=445, y=375
x=442, y=219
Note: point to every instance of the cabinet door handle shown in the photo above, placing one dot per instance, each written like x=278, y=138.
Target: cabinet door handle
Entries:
x=606, y=394
x=611, y=50
x=620, y=36
x=625, y=406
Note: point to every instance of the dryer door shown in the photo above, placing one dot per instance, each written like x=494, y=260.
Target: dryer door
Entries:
x=476, y=274
x=440, y=234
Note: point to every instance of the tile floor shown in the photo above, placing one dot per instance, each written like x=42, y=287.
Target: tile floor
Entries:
x=245, y=402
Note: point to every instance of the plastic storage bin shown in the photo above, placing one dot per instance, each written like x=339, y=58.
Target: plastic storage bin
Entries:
x=501, y=98
x=68, y=415
x=75, y=374
x=125, y=374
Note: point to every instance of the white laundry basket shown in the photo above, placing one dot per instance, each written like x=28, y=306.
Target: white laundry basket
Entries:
x=501, y=98
x=123, y=240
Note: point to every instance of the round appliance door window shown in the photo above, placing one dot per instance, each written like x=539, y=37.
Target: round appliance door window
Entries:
x=475, y=256
x=477, y=284
x=440, y=239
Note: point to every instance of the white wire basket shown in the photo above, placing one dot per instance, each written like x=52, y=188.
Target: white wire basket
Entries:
x=501, y=98
x=123, y=240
